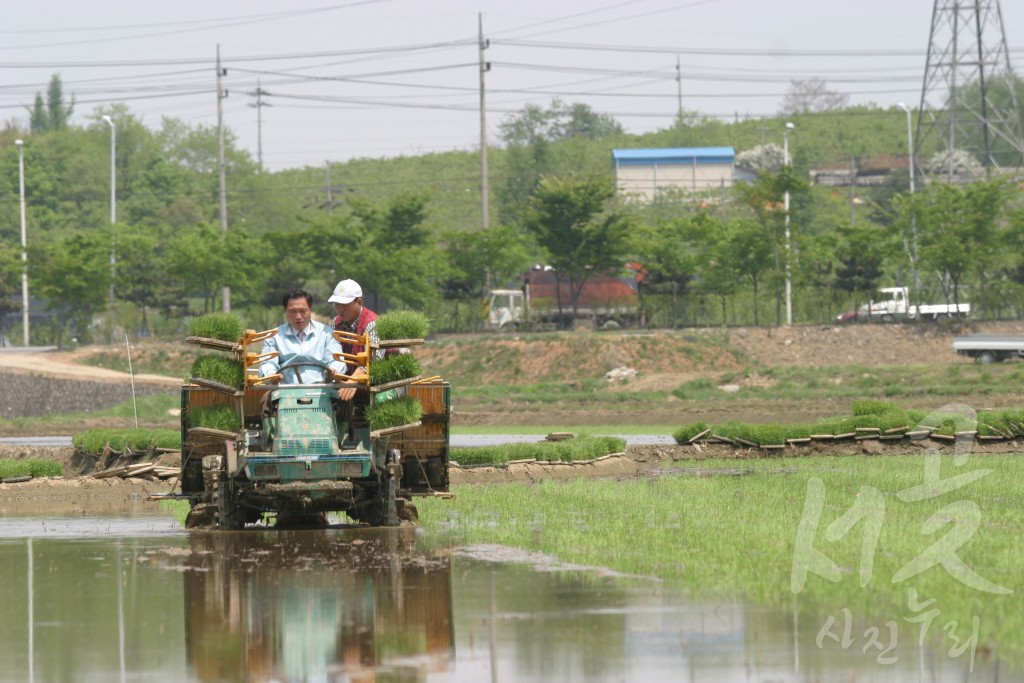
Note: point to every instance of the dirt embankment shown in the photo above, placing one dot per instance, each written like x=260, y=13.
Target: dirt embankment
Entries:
x=663, y=360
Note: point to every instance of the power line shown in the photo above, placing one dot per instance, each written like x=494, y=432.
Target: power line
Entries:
x=716, y=52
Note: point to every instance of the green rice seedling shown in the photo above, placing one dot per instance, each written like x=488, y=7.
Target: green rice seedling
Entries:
x=827, y=425
x=872, y=406
x=137, y=440
x=796, y=431
x=583, y=447
x=915, y=416
x=402, y=325
x=994, y=423
x=862, y=421
x=732, y=536
x=687, y=432
x=32, y=467
x=220, y=369
x=215, y=417
x=894, y=419
x=393, y=368
x=223, y=326
x=398, y=411
x=771, y=434
x=736, y=430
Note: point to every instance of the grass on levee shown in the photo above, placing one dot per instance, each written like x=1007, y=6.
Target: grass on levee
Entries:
x=733, y=532
x=154, y=410
x=34, y=467
x=542, y=430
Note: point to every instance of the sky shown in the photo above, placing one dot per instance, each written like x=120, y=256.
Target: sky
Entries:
x=386, y=78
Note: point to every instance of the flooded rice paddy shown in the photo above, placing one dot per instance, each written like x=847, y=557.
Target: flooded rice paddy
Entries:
x=131, y=597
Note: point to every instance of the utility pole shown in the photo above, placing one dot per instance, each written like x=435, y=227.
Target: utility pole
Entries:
x=330, y=197
x=679, y=91
x=221, y=94
x=485, y=209
x=853, y=189
x=258, y=106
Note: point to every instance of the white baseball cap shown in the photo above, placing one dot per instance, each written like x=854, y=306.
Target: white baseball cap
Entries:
x=346, y=292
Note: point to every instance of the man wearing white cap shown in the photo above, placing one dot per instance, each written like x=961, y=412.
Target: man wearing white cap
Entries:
x=353, y=316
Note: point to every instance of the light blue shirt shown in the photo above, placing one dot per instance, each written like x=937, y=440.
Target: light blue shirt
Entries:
x=318, y=344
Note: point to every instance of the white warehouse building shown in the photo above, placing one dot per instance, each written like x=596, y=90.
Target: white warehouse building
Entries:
x=644, y=173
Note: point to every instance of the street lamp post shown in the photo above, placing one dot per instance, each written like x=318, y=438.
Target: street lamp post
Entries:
x=913, y=218
x=113, y=215
x=24, y=249
x=785, y=206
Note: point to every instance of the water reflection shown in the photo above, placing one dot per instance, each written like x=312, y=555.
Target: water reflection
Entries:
x=373, y=605
x=358, y=605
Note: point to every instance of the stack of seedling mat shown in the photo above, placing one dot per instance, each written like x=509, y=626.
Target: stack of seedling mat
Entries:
x=391, y=409
x=413, y=410
x=216, y=383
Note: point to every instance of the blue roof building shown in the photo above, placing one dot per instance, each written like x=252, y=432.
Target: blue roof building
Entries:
x=644, y=173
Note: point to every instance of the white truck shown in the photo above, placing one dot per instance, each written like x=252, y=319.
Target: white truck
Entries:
x=989, y=348
x=893, y=305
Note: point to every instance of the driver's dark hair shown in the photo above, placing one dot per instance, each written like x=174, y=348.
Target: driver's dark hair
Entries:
x=297, y=294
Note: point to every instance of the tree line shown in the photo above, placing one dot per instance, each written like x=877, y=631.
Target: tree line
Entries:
x=708, y=260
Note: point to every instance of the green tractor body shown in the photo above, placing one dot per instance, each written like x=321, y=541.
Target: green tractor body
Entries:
x=312, y=455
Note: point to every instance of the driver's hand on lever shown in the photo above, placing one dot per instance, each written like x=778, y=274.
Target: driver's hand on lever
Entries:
x=347, y=393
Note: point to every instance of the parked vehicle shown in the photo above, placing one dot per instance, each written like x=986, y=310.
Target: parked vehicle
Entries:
x=989, y=348
x=893, y=305
x=545, y=300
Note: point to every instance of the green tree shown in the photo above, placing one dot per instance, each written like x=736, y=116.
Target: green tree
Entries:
x=55, y=113
x=38, y=119
x=532, y=136
x=765, y=197
x=58, y=111
x=860, y=252
x=10, y=272
x=671, y=251
x=558, y=122
x=499, y=253
x=956, y=228
x=140, y=272
x=817, y=270
x=746, y=250
x=584, y=234
x=73, y=277
x=198, y=263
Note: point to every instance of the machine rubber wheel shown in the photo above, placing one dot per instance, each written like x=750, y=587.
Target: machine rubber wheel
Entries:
x=229, y=516
x=384, y=510
x=986, y=358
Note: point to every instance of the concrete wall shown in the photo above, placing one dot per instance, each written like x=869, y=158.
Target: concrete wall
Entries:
x=23, y=395
x=646, y=180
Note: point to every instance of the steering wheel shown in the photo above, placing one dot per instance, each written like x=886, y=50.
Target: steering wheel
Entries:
x=296, y=363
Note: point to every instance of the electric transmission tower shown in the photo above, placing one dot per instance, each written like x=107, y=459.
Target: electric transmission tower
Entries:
x=968, y=99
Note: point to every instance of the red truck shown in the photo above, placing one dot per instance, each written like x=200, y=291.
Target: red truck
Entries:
x=545, y=300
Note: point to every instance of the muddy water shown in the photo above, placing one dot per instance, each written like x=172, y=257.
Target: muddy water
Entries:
x=136, y=598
